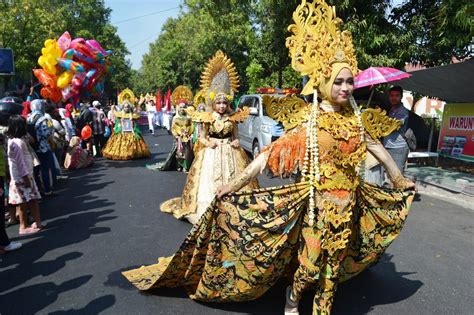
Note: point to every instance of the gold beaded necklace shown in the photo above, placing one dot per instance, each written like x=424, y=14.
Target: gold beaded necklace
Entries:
x=311, y=166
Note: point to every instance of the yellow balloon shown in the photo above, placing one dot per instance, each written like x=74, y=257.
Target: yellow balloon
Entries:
x=64, y=79
x=51, y=60
x=48, y=42
x=51, y=69
x=42, y=62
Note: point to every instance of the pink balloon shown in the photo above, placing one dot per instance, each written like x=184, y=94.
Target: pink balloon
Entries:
x=92, y=43
x=77, y=40
x=64, y=41
x=69, y=91
x=78, y=79
x=82, y=48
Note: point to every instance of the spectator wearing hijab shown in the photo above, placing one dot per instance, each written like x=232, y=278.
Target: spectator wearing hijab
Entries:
x=42, y=130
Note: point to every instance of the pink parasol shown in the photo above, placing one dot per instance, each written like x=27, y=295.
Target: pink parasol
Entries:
x=378, y=75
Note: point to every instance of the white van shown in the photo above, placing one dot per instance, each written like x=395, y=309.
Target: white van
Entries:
x=258, y=130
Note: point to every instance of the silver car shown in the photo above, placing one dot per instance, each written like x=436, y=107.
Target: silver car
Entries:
x=258, y=130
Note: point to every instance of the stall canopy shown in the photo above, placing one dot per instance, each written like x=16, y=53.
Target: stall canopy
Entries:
x=452, y=83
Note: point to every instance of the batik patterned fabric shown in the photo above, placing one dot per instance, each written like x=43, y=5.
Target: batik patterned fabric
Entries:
x=245, y=243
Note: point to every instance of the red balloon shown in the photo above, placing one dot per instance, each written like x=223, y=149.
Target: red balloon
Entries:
x=86, y=132
x=57, y=96
x=50, y=93
x=45, y=78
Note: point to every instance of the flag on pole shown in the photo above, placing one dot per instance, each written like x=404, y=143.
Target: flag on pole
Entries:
x=158, y=101
x=168, y=100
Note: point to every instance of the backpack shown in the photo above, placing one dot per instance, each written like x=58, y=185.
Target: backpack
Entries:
x=31, y=129
x=410, y=138
x=85, y=118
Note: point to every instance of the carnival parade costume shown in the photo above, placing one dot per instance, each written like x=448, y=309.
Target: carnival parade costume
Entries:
x=222, y=163
x=331, y=223
x=126, y=142
x=181, y=154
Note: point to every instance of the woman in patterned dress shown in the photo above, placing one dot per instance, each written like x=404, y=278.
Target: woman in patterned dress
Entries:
x=324, y=229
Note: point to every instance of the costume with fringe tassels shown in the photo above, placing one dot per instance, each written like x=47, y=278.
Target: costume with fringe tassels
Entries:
x=330, y=223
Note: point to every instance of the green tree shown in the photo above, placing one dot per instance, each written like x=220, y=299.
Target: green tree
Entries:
x=253, y=34
x=437, y=30
x=186, y=43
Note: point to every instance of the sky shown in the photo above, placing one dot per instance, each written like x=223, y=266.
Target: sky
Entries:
x=139, y=33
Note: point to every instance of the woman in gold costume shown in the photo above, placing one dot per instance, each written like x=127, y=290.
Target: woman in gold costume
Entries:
x=219, y=152
x=126, y=142
x=182, y=129
x=329, y=225
x=181, y=155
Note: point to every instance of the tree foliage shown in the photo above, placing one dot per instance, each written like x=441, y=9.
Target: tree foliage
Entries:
x=437, y=30
x=253, y=34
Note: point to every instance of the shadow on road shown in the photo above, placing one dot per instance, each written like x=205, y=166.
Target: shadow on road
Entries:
x=72, y=217
x=379, y=285
x=94, y=307
x=34, y=298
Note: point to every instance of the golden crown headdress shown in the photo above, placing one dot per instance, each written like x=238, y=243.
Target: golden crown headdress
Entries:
x=200, y=97
x=181, y=93
x=126, y=95
x=219, y=77
x=317, y=43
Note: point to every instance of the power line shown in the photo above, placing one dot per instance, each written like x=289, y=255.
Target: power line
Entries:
x=149, y=14
x=144, y=40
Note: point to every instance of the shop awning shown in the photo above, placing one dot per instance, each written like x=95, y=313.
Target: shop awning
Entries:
x=452, y=83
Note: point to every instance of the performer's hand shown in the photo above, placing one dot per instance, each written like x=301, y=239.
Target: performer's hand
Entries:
x=222, y=191
x=213, y=144
x=410, y=185
x=403, y=183
x=235, y=143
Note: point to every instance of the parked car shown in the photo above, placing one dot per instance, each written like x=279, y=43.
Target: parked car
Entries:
x=258, y=130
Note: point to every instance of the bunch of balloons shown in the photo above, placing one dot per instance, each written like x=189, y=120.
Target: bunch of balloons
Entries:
x=71, y=68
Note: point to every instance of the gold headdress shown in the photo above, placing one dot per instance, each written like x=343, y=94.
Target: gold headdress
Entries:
x=220, y=78
x=181, y=93
x=319, y=50
x=317, y=43
x=126, y=95
x=199, y=98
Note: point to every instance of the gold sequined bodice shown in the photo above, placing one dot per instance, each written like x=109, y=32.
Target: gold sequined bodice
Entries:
x=221, y=128
x=340, y=151
x=182, y=127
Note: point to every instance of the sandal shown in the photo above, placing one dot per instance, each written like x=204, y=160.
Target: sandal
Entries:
x=29, y=230
x=35, y=225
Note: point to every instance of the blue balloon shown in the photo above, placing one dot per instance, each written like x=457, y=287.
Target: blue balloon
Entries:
x=107, y=131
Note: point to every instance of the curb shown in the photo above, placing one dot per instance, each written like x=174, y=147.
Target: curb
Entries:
x=454, y=197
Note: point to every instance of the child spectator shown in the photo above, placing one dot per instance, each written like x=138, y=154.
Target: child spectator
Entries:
x=23, y=192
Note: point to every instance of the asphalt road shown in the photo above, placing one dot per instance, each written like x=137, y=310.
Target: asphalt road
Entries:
x=107, y=220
